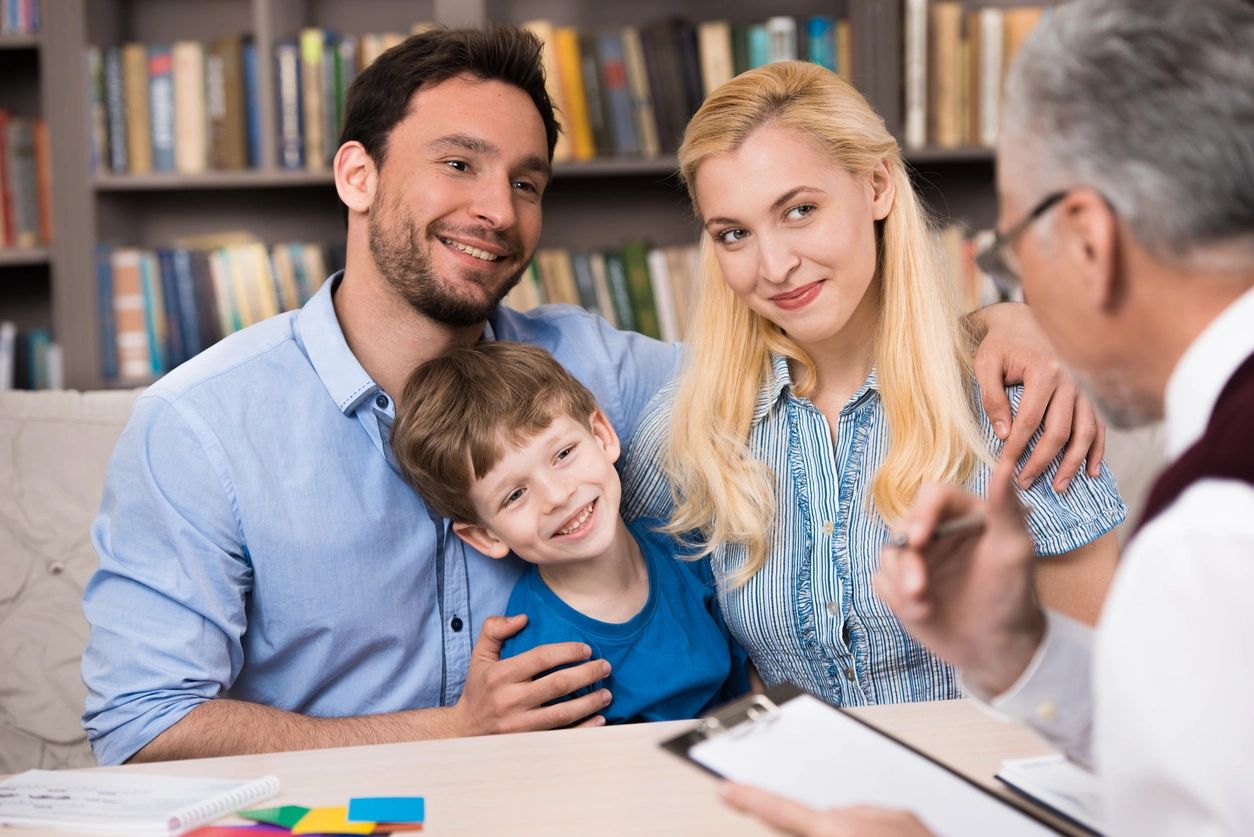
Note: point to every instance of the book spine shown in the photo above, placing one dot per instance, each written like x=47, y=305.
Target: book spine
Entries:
x=616, y=278
x=104, y=313
x=115, y=108
x=759, y=45
x=330, y=116
x=991, y=30
x=6, y=184
x=594, y=99
x=583, y=146
x=128, y=314
x=640, y=289
x=714, y=45
x=252, y=103
x=291, y=144
x=191, y=153
x=543, y=30
x=617, y=94
x=138, y=123
x=175, y=349
x=781, y=36
x=161, y=107
x=663, y=297
x=821, y=41
x=916, y=73
x=154, y=312
x=98, y=120
x=641, y=96
x=185, y=294
x=215, y=105
x=43, y=180
x=22, y=178
x=311, y=44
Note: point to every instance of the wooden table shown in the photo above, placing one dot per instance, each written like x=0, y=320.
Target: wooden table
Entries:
x=579, y=782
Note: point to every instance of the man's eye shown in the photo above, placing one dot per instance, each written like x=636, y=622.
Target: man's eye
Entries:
x=526, y=186
x=731, y=236
x=459, y=165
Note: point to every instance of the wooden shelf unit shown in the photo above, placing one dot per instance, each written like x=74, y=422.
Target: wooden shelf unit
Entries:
x=594, y=203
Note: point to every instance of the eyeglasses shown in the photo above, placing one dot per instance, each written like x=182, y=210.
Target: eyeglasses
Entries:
x=999, y=261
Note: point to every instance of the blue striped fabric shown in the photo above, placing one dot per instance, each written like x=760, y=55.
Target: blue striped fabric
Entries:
x=810, y=616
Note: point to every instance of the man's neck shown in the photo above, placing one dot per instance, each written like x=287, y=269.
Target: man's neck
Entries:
x=612, y=587
x=386, y=335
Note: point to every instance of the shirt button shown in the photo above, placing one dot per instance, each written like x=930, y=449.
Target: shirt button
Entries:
x=456, y=623
x=849, y=675
x=381, y=402
x=833, y=609
x=1046, y=711
x=828, y=528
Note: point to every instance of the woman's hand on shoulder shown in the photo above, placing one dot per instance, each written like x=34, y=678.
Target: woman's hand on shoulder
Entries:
x=1014, y=350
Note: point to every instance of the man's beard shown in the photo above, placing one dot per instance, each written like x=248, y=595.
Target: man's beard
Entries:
x=1117, y=401
x=405, y=264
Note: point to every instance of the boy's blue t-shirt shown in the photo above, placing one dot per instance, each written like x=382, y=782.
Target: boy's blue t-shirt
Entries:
x=671, y=661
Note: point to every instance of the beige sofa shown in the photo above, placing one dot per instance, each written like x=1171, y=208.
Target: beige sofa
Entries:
x=54, y=447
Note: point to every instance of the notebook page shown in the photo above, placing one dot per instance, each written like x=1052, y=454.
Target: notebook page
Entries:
x=130, y=803
x=816, y=755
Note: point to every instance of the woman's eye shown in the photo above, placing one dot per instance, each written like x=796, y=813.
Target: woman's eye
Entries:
x=731, y=236
x=458, y=165
x=799, y=212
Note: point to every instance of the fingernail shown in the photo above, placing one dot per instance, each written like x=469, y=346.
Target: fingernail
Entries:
x=1025, y=481
x=598, y=721
x=606, y=696
x=606, y=668
x=587, y=651
x=1063, y=486
x=1000, y=429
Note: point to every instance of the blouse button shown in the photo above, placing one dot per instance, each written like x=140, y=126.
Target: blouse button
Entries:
x=833, y=609
x=828, y=528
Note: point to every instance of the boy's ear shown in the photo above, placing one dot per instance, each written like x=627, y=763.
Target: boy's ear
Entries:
x=604, y=433
x=481, y=538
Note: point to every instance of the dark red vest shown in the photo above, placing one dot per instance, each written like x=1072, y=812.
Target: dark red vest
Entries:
x=1225, y=451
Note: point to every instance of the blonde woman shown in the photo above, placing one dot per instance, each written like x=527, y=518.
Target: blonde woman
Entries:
x=828, y=377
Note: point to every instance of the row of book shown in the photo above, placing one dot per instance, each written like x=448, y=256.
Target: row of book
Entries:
x=955, y=58
x=25, y=182
x=29, y=359
x=157, y=308
x=635, y=287
x=631, y=91
x=190, y=107
x=185, y=107
x=19, y=17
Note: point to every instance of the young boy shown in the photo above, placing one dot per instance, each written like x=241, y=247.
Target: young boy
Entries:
x=503, y=441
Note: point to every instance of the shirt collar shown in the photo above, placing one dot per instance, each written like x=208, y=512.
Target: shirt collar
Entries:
x=779, y=381
x=346, y=380
x=323, y=339
x=1203, y=371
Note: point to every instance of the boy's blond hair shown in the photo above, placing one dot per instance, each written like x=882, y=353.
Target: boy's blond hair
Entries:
x=461, y=412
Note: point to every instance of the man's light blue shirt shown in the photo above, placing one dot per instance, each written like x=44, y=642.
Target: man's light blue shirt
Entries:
x=256, y=541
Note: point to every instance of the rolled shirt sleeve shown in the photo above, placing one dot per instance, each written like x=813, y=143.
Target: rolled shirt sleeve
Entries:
x=167, y=605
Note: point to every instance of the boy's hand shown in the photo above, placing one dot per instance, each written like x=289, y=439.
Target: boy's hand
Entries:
x=501, y=695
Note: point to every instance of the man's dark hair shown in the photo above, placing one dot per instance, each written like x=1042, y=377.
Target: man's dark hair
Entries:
x=379, y=97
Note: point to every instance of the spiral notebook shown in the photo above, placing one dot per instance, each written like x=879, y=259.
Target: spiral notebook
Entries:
x=793, y=744
x=123, y=802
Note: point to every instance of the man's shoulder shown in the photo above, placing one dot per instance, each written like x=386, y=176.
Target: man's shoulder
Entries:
x=545, y=325
x=239, y=360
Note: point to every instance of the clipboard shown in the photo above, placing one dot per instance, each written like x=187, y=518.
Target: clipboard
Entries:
x=792, y=743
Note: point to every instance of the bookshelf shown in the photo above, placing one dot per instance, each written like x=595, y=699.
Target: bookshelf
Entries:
x=598, y=202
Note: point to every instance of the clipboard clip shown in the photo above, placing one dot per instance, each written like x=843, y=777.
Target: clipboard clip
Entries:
x=740, y=718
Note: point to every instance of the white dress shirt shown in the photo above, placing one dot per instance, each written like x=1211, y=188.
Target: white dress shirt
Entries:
x=1160, y=699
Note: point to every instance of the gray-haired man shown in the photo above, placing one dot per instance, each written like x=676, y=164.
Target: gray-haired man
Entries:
x=1126, y=179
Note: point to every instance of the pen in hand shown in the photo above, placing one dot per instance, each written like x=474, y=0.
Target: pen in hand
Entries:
x=965, y=524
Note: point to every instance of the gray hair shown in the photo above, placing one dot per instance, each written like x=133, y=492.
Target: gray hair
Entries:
x=1149, y=102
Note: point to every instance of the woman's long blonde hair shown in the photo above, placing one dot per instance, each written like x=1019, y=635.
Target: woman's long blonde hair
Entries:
x=922, y=352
